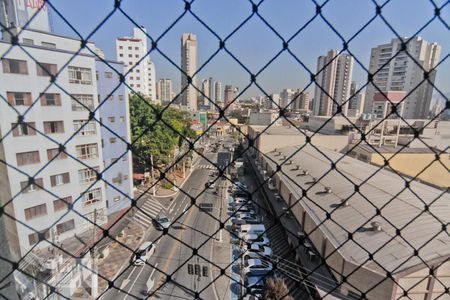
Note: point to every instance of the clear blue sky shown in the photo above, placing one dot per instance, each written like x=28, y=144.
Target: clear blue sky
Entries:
x=255, y=44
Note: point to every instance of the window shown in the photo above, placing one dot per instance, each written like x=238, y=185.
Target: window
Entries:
x=108, y=74
x=136, y=48
x=130, y=63
x=82, y=102
x=60, y=179
x=35, y=212
x=130, y=48
x=55, y=154
x=61, y=204
x=48, y=45
x=137, y=71
x=14, y=66
x=120, y=97
x=138, y=85
x=131, y=77
x=33, y=238
x=88, y=175
x=54, y=127
x=92, y=197
x=23, y=129
x=26, y=187
x=19, y=98
x=80, y=75
x=85, y=127
x=65, y=226
x=50, y=99
x=122, y=119
x=88, y=151
x=111, y=119
x=44, y=69
x=112, y=140
x=130, y=55
x=120, y=55
x=116, y=199
x=137, y=55
x=26, y=41
x=138, y=78
x=28, y=158
x=120, y=47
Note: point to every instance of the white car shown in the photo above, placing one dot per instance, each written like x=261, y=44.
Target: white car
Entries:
x=162, y=221
x=256, y=239
x=256, y=266
x=261, y=249
x=144, y=252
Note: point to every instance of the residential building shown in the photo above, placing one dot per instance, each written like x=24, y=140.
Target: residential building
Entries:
x=301, y=101
x=272, y=102
x=333, y=78
x=205, y=91
x=189, y=69
x=218, y=93
x=286, y=96
x=212, y=92
x=264, y=118
x=55, y=145
x=394, y=69
x=140, y=70
x=356, y=102
x=115, y=136
x=165, y=92
x=230, y=96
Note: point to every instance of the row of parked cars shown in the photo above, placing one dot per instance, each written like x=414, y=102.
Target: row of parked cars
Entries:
x=249, y=234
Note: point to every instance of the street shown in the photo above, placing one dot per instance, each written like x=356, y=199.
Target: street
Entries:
x=189, y=242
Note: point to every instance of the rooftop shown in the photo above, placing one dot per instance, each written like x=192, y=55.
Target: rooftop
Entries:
x=399, y=208
x=388, y=149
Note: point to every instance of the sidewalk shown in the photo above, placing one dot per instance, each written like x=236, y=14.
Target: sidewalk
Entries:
x=113, y=262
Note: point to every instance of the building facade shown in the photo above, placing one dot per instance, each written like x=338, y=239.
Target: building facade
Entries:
x=62, y=175
x=189, y=68
x=301, y=101
x=140, y=70
x=395, y=70
x=286, y=96
x=218, y=93
x=356, y=102
x=333, y=78
x=115, y=136
x=165, y=91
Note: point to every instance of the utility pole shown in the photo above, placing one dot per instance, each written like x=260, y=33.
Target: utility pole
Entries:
x=153, y=176
x=94, y=277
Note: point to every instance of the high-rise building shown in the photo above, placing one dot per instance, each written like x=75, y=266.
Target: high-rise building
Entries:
x=396, y=70
x=301, y=101
x=333, y=78
x=115, y=136
x=272, y=102
x=133, y=52
x=218, y=93
x=212, y=92
x=205, y=92
x=189, y=68
x=356, y=102
x=165, y=90
x=286, y=96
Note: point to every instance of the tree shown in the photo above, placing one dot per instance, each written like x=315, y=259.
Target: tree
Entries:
x=275, y=289
x=157, y=131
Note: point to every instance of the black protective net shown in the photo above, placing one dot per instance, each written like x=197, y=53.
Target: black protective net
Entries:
x=307, y=220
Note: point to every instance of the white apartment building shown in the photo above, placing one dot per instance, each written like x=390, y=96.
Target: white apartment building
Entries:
x=140, y=70
x=205, y=91
x=189, y=67
x=301, y=101
x=403, y=73
x=333, y=78
x=54, y=119
x=115, y=136
x=165, y=91
x=272, y=102
x=286, y=96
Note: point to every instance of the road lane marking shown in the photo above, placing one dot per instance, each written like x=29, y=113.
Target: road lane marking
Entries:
x=134, y=282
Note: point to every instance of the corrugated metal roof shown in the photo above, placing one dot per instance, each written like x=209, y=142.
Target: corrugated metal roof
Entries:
x=400, y=208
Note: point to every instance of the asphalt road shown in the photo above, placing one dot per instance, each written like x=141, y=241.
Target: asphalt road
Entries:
x=192, y=230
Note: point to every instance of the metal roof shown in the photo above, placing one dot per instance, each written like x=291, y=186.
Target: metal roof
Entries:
x=399, y=208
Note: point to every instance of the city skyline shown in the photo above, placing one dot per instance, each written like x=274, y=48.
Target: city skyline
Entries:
x=248, y=40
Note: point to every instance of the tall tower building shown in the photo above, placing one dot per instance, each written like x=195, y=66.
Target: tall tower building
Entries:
x=189, y=68
x=395, y=70
x=301, y=101
x=205, y=91
x=356, y=103
x=286, y=96
x=212, y=93
x=218, y=93
x=132, y=52
x=165, y=90
x=334, y=74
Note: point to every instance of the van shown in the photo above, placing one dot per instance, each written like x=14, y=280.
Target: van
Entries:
x=144, y=252
x=252, y=228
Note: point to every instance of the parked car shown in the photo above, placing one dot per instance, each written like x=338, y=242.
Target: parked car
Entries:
x=144, y=252
x=162, y=221
x=256, y=239
x=256, y=266
x=249, y=219
x=261, y=249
